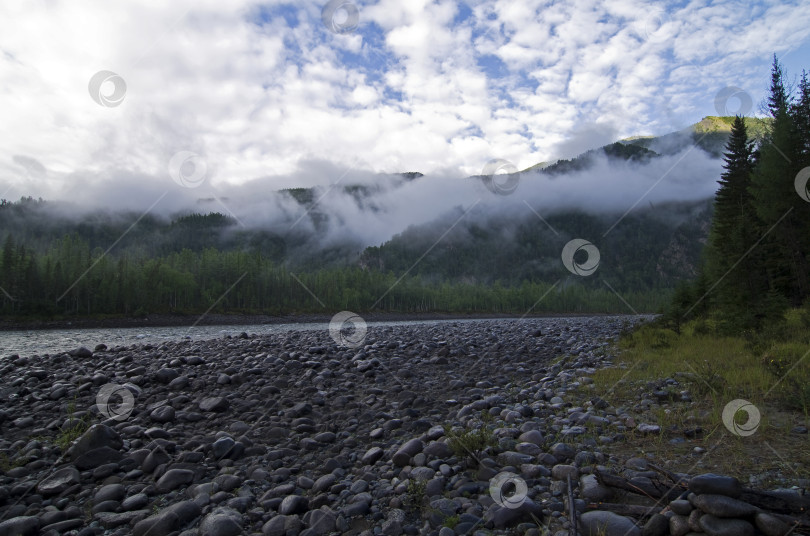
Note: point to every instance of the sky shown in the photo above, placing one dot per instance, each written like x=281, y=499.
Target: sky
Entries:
x=219, y=94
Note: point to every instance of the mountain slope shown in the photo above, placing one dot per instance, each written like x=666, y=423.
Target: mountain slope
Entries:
x=653, y=248
x=710, y=134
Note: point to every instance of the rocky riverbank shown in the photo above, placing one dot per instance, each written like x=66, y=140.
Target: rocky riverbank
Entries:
x=487, y=427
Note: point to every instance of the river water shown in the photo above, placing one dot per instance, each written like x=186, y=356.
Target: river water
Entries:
x=30, y=342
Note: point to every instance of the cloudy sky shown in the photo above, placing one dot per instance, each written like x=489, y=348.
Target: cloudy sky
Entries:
x=225, y=92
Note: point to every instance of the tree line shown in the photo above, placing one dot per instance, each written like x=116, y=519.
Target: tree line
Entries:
x=757, y=260
x=71, y=279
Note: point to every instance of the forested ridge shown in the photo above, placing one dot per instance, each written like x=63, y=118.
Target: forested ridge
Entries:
x=652, y=249
x=190, y=282
x=67, y=276
x=58, y=264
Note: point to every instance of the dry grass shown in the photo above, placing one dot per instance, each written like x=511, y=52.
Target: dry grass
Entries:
x=774, y=376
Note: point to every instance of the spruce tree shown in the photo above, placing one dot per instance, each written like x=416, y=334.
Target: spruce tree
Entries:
x=801, y=117
x=779, y=99
x=733, y=202
x=781, y=211
x=741, y=280
x=800, y=113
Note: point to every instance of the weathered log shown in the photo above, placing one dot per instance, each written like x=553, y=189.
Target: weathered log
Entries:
x=777, y=502
x=572, y=508
x=652, y=489
x=793, y=509
x=633, y=510
x=671, y=476
x=802, y=524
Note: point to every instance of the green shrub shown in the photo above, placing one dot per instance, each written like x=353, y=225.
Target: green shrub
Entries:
x=471, y=442
x=74, y=429
x=789, y=363
x=416, y=493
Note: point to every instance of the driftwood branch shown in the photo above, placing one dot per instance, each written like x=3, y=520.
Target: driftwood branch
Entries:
x=572, y=509
x=633, y=510
x=797, y=506
x=798, y=522
x=775, y=502
x=671, y=476
x=653, y=489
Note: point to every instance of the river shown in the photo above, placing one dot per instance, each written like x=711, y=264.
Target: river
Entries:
x=30, y=342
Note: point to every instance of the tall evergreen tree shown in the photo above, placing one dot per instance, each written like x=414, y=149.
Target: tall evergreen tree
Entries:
x=801, y=117
x=779, y=99
x=781, y=211
x=741, y=278
x=733, y=201
x=800, y=113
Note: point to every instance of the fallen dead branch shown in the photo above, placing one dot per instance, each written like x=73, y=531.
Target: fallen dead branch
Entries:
x=632, y=510
x=652, y=489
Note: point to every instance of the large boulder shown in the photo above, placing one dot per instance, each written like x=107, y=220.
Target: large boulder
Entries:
x=722, y=506
x=718, y=526
x=169, y=520
x=411, y=448
x=601, y=523
x=20, y=526
x=222, y=522
x=99, y=445
x=59, y=481
x=173, y=479
x=716, y=485
x=216, y=404
x=97, y=436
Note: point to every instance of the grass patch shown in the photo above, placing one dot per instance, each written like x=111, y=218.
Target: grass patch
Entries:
x=74, y=429
x=71, y=434
x=770, y=369
x=710, y=364
x=8, y=463
x=471, y=443
x=415, y=493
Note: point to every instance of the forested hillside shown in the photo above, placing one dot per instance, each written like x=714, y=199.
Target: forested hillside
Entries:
x=499, y=266
x=652, y=249
x=57, y=261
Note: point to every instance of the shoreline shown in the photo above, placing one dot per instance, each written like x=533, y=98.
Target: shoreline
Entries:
x=410, y=430
x=172, y=320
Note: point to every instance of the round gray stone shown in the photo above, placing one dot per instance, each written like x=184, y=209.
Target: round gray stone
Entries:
x=599, y=523
x=718, y=526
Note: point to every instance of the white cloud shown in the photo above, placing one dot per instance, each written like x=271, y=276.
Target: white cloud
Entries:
x=255, y=96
